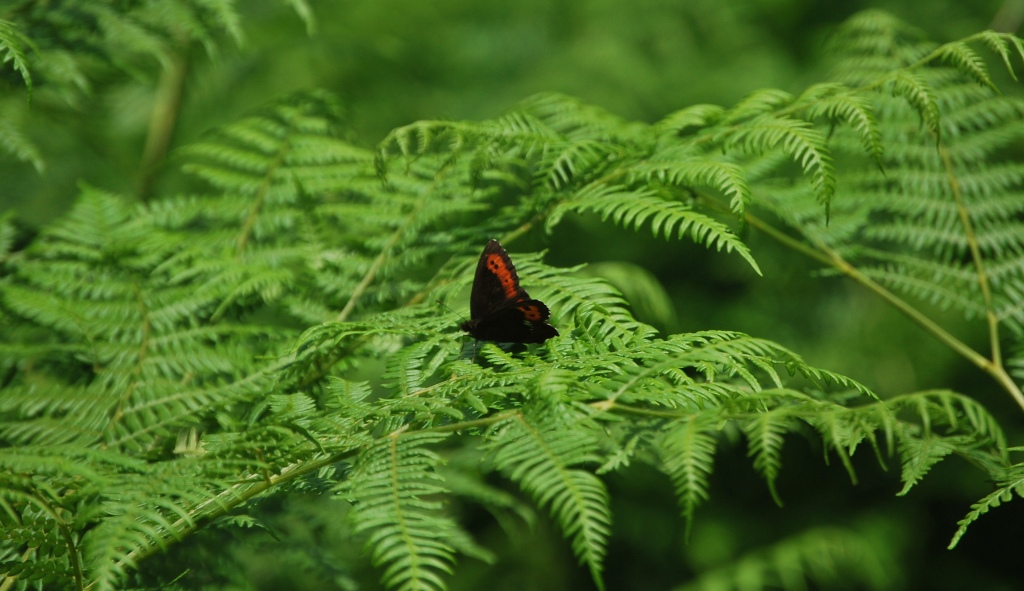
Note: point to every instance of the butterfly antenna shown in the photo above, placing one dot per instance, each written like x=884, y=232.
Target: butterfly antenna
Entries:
x=447, y=307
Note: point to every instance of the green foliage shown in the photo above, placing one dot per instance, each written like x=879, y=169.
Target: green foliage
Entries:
x=1009, y=482
x=173, y=363
x=13, y=45
x=390, y=487
x=61, y=50
x=827, y=557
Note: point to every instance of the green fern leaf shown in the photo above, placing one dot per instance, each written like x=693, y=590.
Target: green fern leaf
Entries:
x=12, y=49
x=826, y=557
x=965, y=59
x=919, y=94
x=1001, y=43
x=764, y=444
x=1010, y=483
x=761, y=102
x=540, y=458
x=692, y=172
x=691, y=118
x=688, y=456
x=390, y=487
x=634, y=208
x=804, y=144
x=837, y=103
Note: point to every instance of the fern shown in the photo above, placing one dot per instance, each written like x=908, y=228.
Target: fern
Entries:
x=542, y=457
x=1011, y=481
x=64, y=53
x=276, y=330
x=933, y=217
x=826, y=556
x=13, y=44
x=689, y=450
x=389, y=487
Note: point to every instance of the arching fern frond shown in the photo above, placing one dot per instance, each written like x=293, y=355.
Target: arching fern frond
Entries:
x=1002, y=44
x=635, y=208
x=804, y=144
x=1009, y=483
x=838, y=103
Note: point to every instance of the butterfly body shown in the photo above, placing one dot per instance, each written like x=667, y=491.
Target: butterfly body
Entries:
x=500, y=310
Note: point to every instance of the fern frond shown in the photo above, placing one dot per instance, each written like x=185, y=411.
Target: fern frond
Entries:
x=935, y=218
x=1009, y=483
x=946, y=423
x=8, y=233
x=13, y=46
x=764, y=444
x=390, y=487
x=827, y=557
x=963, y=58
x=804, y=144
x=635, y=208
x=691, y=118
x=688, y=456
x=920, y=95
x=415, y=365
x=541, y=458
x=761, y=102
x=577, y=159
x=14, y=142
x=1001, y=44
x=686, y=171
x=838, y=103
x=574, y=119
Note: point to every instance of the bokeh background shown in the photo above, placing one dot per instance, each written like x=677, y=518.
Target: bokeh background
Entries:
x=397, y=61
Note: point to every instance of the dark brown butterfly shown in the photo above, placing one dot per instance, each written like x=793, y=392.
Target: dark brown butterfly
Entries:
x=500, y=310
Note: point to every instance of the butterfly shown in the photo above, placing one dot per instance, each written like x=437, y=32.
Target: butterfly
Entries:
x=499, y=309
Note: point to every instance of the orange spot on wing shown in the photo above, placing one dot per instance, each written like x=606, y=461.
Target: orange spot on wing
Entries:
x=508, y=282
x=531, y=313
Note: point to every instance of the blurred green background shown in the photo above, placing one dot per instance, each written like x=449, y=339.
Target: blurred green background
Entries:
x=398, y=61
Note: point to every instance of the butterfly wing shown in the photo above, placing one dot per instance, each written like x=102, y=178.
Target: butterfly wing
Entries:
x=515, y=322
x=496, y=282
x=501, y=310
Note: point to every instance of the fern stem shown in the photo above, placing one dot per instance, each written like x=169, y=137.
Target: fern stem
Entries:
x=475, y=423
x=221, y=504
x=368, y=278
x=371, y=273
x=66, y=534
x=979, y=262
x=76, y=565
x=829, y=257
x=261, y=194
x=162, y=121
x=136, y=374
